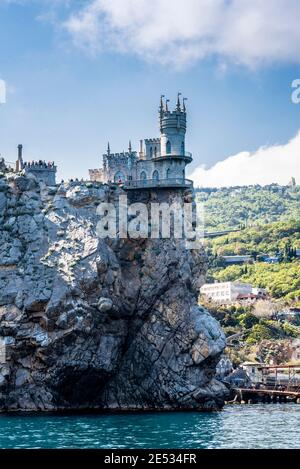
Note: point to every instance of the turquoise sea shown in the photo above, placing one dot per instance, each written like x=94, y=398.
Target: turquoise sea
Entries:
x=249, y=426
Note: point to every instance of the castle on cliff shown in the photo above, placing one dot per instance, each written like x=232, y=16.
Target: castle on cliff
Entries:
x=160, y=161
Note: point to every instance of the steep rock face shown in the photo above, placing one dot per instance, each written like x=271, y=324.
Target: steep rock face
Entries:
x=91, y=323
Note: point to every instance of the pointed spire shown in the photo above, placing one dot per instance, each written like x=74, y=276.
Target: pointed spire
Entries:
x=178, y=106
x=129, y=147
x=161, y=107
x=108, y=148
x=184, y=108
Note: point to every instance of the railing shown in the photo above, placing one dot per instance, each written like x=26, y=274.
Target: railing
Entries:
x=149, y=183
x=186, y=155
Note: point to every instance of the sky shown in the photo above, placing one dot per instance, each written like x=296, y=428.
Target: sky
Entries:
x=81, y=73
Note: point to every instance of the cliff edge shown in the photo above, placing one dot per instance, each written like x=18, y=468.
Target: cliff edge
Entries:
x=87, y=323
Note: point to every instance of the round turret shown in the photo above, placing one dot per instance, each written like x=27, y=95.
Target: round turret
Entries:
x=173, y=129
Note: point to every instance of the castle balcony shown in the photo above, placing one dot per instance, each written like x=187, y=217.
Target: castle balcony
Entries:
x=187, y=157
x=158, y=183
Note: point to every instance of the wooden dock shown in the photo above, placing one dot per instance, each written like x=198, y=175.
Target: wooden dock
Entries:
x=252, y=395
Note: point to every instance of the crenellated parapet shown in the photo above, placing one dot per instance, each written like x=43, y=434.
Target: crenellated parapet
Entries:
x=122, y=157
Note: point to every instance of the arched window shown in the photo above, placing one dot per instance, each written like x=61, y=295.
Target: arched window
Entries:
x=182, y=148
x=143, y=176
x=168, y=173
x=119, y=177
x=155, y=152
x=155, y=176
x=168, y=147
x=151, y=152
x=183, y=174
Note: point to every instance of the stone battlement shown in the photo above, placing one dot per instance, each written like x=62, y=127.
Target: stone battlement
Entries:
x=152, y=140
x=39, y=165
x=122, y=155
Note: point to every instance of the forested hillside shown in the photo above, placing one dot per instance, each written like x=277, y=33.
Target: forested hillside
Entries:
x=269, y=218
x=232, y=207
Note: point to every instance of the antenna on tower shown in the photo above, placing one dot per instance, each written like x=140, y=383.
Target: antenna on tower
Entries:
x=167, y=101
x=184, y=108
x=108, y=148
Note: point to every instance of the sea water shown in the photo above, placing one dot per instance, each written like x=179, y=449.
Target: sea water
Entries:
x=237, y=426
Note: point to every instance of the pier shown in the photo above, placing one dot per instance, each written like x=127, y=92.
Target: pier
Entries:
x=271, y=383
x=252, y=396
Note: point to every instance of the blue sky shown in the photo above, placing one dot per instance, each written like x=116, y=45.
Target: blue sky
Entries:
x=73, y=84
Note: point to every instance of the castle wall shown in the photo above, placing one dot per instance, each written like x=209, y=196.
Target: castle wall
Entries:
x=144, y=166
x=45, y=174
x=172, y=169
x=152, y=148
x=97, y=175
x=120, y=166
x=167, y=168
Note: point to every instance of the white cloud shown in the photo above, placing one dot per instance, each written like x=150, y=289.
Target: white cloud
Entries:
x=176, y=32
x=273, y=164
x=2, y=92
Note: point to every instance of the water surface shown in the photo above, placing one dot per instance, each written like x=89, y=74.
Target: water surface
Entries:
x=237, y=426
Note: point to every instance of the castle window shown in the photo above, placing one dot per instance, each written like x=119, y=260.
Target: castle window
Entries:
x=155, y=152
x=155, y=176
x=182, y=148
x=119, y=177
x=143, y=176
x=168, y=173
x=151, y=152
x=168, y=147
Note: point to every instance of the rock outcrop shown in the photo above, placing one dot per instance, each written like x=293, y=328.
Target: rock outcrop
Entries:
x=93, y=323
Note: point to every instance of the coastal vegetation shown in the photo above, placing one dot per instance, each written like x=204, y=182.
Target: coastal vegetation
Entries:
x=266, y=221
x=255, y=336
x=233, y=207
x=268, y=224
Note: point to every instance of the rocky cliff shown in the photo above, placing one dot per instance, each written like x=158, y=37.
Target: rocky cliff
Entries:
x=97, y=324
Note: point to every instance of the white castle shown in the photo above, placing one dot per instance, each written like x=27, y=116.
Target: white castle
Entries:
x=160, y=162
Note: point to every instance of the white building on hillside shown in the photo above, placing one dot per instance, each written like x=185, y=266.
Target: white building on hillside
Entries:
x=225, y=292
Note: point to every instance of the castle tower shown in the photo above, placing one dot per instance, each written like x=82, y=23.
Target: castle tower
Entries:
x=172, y=129
x=19, y=162
x=172, y=159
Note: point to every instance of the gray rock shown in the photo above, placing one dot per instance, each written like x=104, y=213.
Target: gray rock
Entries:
x=105, y=305
x=152, y=346
x=2, y=201
x=22, y=377
x=2, y=380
